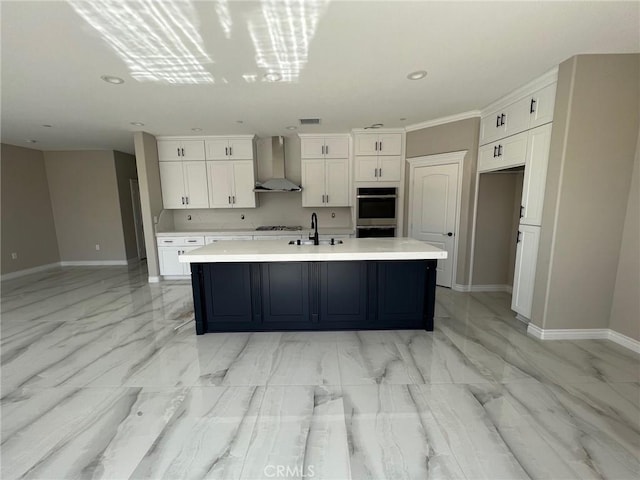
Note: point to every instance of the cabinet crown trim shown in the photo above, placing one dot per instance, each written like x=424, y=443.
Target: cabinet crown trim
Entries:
x=375, y=131
x=322, y=135
x=443, y=120
x=203, y=137
x=542, y=81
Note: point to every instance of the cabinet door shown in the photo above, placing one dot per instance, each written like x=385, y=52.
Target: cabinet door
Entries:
x=186, y=267
x=220, y=178
x=311, y=147
x=337, y=182
x=401, y=287
x=336, y=147
x=390, y=169
x=192, y=150
x=517, y=117
x=285, y=293
x=172, y=185
x=168, y=259
x=491, y=127
x=366, y=144
x=169, y=150
x=366, y=169
x=217, y=149
x=195, y=184
x=390, y=144
x=525, y=270
x=343, y=294
x=541, y=106
x=228, y=299
x=487, y=159
x=313, y=183
x=243, y=185
x=535, y=175
x=241, y=149
x=512, y=151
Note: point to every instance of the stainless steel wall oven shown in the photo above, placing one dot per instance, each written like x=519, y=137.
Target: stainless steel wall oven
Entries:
x=376, y=211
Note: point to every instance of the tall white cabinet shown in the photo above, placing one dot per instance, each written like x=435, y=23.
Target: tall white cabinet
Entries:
x=515, y=132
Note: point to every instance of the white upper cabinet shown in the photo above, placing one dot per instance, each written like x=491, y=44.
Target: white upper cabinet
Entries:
x=231, y=184
x=230, y=148
x=325, y=182
x=525, y=112
x=506, y=153
x=378, y=169
x=535, y=175
x=378, y=144
x=331, y=146
x=180, y=150
x=184, y=185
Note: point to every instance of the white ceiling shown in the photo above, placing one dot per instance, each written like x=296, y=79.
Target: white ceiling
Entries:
x=352, y=74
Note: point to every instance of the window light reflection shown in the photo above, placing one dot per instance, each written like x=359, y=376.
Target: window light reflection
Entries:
x=158, y=41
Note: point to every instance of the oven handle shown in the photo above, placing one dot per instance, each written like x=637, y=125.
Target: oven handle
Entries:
x=376, y=196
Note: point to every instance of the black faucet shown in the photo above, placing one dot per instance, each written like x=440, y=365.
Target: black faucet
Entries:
x=314, y=225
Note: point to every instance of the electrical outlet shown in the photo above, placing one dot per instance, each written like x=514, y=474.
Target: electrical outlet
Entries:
x=241, y=217
x=14, y=256
x=333, y=214
x=97, y=246
x=188, y=217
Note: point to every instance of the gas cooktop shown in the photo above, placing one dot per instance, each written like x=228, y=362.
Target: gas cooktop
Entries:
x=288, y=228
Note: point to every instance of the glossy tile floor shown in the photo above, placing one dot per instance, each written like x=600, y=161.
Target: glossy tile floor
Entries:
x=97, y=383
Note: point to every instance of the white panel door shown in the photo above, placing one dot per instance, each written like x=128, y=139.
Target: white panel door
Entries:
x=336, y=147
x=390, y=144
x=535, y=175
x=168, y=259
x=220, y=179
x=313, y=183
x=389, y=169
x=337, y=182
x=195, y=184
x=434, y=197
x=243, y=185
x=525, y=271
x=312, y=147
x=241, y=148
x=542, y=108
x=169, y=150
x=366, y=144
x=217, y=149
x=172, y=185
x=366, y=169
x=192, y=150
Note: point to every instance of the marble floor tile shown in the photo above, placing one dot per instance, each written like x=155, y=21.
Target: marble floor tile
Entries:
x=102, y=376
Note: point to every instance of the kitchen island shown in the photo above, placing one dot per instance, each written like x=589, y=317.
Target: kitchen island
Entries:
x=366, y=283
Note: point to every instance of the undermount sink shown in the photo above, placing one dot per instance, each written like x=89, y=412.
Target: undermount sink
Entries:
x=333, y=241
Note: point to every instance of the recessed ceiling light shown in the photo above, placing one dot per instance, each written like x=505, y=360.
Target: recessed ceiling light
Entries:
x=417, y=75
x=46, y=125
x=137, y=124
x=272, y=77
x=196, y=129
x=112, y=79
x=291, y=127
x=31, y=141
x=239, y=121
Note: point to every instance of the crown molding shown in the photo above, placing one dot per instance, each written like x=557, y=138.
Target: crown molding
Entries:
x=441, y=121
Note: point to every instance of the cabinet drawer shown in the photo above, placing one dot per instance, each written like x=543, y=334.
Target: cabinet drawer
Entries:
x=223, y=238
x=180, y=241
x=507, y=153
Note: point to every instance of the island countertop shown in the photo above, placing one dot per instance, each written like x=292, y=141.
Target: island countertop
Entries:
x=352, y=249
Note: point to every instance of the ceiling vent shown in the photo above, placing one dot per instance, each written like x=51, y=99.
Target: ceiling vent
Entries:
x=309, y=121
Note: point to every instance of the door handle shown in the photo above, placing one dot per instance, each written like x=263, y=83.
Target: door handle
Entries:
x=521, y=211
x=380, y=172
x=326, y=149
x=499, y=150
x=183, y=200
x=518, y=239
x=229, y=200
x=449, y=234
x=182, y=149
x=376, y=147
x=532, y=108
x=233, y=197
x=178, y=151
x=327, y=198
x=495, y=151
x=187, y=199
x=497, y=121
x=380, y=145
x=231, y=151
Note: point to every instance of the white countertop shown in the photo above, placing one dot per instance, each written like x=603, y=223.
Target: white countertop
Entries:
x=253, y=231
x=280, y=251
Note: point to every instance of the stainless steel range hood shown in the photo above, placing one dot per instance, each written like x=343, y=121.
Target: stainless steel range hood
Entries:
x=278, y=183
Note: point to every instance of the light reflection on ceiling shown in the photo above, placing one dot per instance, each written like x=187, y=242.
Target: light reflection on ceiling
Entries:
x=158, y=41
x=224, y=17
x=281, y=32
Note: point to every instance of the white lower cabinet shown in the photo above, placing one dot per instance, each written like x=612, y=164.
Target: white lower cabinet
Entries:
x=209, y=239
x=169, y=261
x=325, y=182
x=525, y=269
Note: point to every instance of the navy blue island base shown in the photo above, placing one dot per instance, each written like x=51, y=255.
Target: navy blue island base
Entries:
x=325, y=295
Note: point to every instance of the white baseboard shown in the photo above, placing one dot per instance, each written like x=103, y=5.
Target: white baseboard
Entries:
x=93, y=263
x=460, y=288
x=584, y=334
x=524, y=320
x=154, y=279
x=29, y=271
x=176, y=277
x=482, y=288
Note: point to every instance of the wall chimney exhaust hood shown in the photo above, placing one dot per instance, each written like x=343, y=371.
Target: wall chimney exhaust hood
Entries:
x=278, y=183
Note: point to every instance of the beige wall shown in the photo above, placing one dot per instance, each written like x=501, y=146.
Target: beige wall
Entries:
x=125, y=165
x=86, y=208
x=625, y=311
x=27, y=219
x=495, y=237
x=451, y=137
x=150, y=194
x=591, y=159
